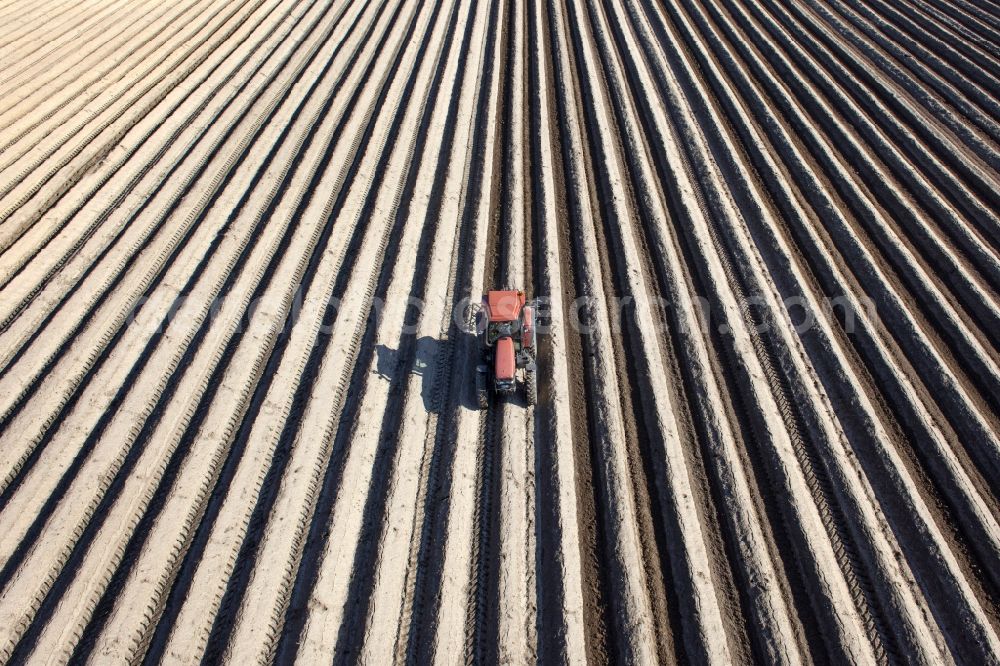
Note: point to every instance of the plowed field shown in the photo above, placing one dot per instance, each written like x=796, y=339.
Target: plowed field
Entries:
x=238, y=244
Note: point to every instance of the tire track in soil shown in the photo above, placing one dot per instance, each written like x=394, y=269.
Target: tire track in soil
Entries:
x=604, y=599
x=225, y=618
x=352, y=630
x=922, y=337
x=452, y=387
x=558, y=640
x=903, y=418
x=823, y=487
x=635, y=391
x=12, y=273
x=590, y=524
x=109, y=497
x=96, y=364
x=483, y=622
x=323, y=159
x=715, y=483
x=20, y=190
x=834, y=517
x=780, y=391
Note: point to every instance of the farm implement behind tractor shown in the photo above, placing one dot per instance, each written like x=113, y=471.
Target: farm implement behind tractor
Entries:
x=506, y=326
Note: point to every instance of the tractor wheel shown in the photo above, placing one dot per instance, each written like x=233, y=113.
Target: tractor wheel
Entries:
x=531, y=386
x=482, y=391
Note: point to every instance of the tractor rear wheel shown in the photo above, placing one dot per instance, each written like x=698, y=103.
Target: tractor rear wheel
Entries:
x=482, y=391
x=531, y=386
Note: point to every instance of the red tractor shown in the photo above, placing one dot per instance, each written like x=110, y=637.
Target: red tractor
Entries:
x=506, y=325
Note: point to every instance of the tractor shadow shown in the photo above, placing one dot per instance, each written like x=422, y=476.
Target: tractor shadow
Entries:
x=418, y=358
x=433, y=361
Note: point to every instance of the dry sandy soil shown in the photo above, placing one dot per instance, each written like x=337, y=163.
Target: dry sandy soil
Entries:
x=769, y=434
